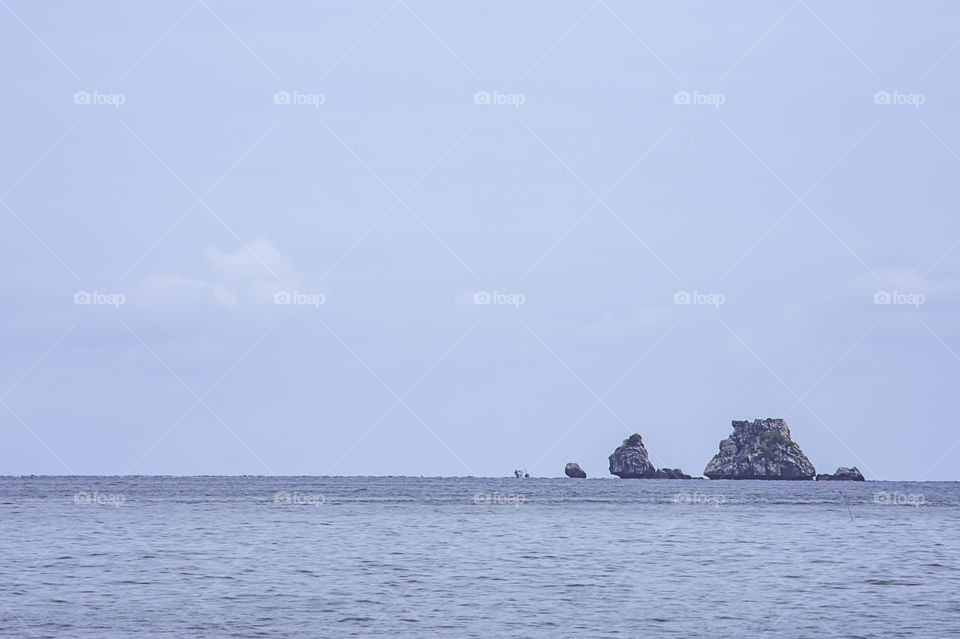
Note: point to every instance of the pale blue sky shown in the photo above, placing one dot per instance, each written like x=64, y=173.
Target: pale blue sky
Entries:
x=399, y=197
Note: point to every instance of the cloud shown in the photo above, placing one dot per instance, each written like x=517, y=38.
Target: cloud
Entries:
x=255, y=261
x=615, y=326
x=245, y=278
x=225, y=297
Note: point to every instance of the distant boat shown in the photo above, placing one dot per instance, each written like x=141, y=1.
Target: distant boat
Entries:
x=521, y=474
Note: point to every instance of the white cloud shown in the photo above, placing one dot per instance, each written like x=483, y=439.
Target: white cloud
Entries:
x=616, y=326
x=258, y=260
x=245, y=278
x=225, y=297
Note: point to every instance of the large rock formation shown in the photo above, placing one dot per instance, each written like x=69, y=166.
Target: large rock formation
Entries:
x=761, y=449
x=574, y=470
x=843, y=474
x=630, y=461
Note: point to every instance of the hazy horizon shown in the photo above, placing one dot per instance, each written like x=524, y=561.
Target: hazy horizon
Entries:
x=407, y=238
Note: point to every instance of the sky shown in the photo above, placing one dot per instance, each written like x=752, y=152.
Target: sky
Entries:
x=428, y=238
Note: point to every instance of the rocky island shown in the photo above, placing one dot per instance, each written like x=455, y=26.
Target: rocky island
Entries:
x=761, y=449
x=843, y=474
x=573, y=470
x=630, y=461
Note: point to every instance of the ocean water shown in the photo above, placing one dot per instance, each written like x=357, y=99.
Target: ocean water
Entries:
x=467, y=557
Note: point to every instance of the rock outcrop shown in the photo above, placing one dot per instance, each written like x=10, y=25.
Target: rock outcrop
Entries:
x=843, y=474
x=670, y=473
x=574, y=470
x=761, y=449
x=630, y=461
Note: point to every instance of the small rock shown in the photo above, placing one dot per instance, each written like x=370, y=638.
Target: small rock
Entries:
x=671, y=473
x=573, y=470
x=843, y=474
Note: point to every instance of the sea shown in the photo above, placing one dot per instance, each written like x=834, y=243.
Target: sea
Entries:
x=112, y=557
